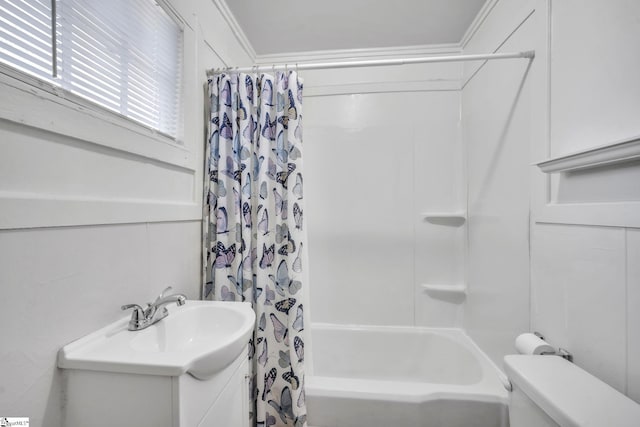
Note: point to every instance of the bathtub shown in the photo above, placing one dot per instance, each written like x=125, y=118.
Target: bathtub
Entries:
x=377, y=376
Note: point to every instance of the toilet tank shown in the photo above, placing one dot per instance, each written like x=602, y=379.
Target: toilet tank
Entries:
x=549, y=391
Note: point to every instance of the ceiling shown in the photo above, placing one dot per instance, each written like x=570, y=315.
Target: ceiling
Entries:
x=281, y=26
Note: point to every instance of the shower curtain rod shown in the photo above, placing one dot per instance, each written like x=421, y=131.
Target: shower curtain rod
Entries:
x=374, y=63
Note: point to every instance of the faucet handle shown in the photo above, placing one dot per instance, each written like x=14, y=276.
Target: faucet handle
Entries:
x=128, y=306
x=138, y=312
x=138, y=317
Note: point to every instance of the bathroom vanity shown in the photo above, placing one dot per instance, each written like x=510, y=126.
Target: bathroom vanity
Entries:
x=105, y=399
x=188, y=370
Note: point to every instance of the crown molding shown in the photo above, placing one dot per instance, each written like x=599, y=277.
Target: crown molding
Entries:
x=477, y=22
x=236, y=29
x=363, y=54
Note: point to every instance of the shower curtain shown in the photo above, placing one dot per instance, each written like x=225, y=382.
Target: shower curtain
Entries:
x=254, y=229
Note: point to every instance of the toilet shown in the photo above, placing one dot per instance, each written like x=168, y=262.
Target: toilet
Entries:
x=549, y=391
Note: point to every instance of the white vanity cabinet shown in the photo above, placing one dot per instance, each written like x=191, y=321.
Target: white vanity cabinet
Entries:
x=104, y=399
x=188, y=370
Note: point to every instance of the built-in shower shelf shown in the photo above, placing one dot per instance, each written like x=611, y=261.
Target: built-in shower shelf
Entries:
x=434, y=289
x=618, y=152
x=456, y=218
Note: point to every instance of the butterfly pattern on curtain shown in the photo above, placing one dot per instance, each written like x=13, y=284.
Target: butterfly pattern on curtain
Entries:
x=254, y=229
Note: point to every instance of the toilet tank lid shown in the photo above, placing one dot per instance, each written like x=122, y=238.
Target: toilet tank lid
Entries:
x=571, y=396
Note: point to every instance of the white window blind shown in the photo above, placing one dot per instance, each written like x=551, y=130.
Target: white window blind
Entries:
x=25, y=39
x=125, y=55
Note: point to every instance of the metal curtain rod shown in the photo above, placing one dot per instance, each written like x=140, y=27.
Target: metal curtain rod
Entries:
x=375, y=63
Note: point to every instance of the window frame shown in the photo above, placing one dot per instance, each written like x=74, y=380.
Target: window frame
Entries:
x=32, y=106
x=77, y=117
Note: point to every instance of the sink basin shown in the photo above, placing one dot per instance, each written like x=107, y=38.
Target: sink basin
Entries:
x=199, y=338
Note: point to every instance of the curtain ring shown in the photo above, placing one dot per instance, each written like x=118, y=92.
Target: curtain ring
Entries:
x=296, y=68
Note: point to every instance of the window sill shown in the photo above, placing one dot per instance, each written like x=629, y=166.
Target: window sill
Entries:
x=618, y=152
x=35, y=103
x=32, y=103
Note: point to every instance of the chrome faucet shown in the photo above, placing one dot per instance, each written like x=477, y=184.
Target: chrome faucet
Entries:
x=144, y=317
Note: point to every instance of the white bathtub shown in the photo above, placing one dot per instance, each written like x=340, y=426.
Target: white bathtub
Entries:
x=372, y=376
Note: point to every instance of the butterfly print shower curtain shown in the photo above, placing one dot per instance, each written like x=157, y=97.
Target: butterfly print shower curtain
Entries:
x=254, y=229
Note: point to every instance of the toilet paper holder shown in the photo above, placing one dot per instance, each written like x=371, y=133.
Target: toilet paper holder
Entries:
x=560, y=352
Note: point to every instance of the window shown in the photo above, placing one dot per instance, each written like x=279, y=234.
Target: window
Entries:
x=125, y=55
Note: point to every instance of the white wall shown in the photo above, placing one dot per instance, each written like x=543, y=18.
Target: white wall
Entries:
x=496, y=106
x=585, y=279
x=381, y=146
x=94, y=215
x=581, y=91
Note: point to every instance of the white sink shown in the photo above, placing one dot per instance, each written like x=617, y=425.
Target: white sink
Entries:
x=200, y=338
